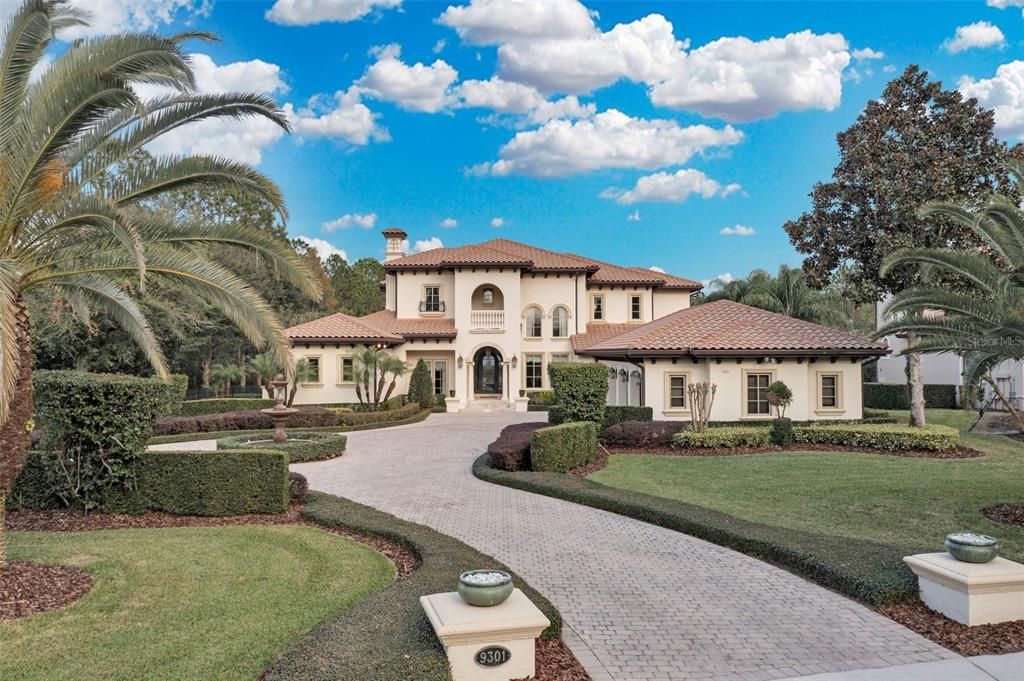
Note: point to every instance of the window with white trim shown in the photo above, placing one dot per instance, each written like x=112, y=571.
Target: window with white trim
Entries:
x=533, y=322
x=560, y=323
x=534, y=371
x=636, y=307
x=314, y=369
x=828, y=390
x=597, y=308
x=757, y=394
x=432, y=299
x=346, y=370
x=559, y=358
x=676, y=398
x=439, y=372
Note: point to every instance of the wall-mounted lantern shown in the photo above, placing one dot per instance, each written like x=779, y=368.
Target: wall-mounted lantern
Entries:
x=515, y=361
x=459, y=361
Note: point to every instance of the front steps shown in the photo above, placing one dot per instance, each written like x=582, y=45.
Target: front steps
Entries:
x=488, y=404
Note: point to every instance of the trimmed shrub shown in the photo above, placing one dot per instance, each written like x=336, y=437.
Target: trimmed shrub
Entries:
x=724, y=438
x=877, y=416
x=642, y=433
x=359, y=418
x=563, y=447
x=300, y=446
x=896, y=396
x=781, y=432
x=222, y=405
x=613, y=415
x=421, y=386
x=542, y=398
x=307, y=417
x=511, y=451
x=179, y=388
x=581, y=391
x=298, y=486
x=879, y=436
x=95, y=426
x=555, y=415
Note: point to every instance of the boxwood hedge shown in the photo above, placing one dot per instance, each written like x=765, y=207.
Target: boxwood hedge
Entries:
x=302, y=445
x=725, y=437
x=868, y=571
x=386, y=637
x=620, y=414
x=581, y=391
x=897, y=396
x=563, y=447
x=221, y=405
x=879, y=436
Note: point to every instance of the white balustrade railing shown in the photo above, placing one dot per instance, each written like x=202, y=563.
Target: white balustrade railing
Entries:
x=487, y=319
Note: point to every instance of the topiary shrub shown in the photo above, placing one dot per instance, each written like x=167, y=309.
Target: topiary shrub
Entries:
x=780, y=397
x=581, y=391
x=782, y=432
x=724, y=438
x=297, y=486
x=642, y=433
x=613, y=415
x=421, y=386
x=511, y=451
x=222, y=405
x=563, y=447
x=95, y=426
x=300, y=446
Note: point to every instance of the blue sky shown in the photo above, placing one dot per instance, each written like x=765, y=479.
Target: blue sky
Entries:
x=689, y=117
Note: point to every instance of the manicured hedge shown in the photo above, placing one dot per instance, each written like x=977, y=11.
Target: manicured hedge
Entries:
x=358, y=418
x=613, y=415
x=879, y=436
x=386, y=636
x=179, y=388
x=511, y=451
x=581, y=391
x=897, y=396
x=222, y=405
x=726, y=437
x=183, y=483
x=306, y=417
x=868, y=571
x=563, y=447
x=642, y=433
x=300, y=446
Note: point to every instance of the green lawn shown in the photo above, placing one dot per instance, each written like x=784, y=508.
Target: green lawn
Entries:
x=186, y=603
x=911, y=503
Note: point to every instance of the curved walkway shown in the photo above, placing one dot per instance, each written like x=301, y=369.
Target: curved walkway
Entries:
x=640, y=602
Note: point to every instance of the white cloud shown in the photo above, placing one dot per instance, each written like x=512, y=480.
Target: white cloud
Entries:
x=655, y=268
x=889, y=68
x=439, y=46
x=611, y=139
x=116, y=16
x=717, y=282
x=738, y=79
x=324, y=249
x=364, y=220
x=427, y=245
x=344, y=117
x=449, y=223
x=866, y=53
x=1004, y=4
x=671, y=188
x=644, y=50
x=240, y=140
x=977, y=35
x=497, y=222
x=306, y=12
x=738, y=230
x=506, y=97
x=1004, y=93
x=416, y=88
x=490, y=22
x=634, y=217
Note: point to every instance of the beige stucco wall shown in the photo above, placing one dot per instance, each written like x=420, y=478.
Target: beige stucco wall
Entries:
x=410, y=292
x=617, y=304
x=667, y=302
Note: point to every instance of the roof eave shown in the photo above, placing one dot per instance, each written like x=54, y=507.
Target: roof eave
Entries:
x=635, y=353
x=394, y=340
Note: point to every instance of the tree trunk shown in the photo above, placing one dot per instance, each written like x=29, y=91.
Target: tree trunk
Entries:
x=15, y=436
x=915, y=377
x=1009, y=407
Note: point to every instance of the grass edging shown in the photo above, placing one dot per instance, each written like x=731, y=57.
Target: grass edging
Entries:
x=218, y=434
x=871, y=572
x=387, y=636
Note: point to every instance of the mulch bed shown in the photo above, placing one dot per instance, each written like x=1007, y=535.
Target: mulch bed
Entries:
x=555, y=662
x=983, y=639
x=1008, y=514
x=28, y=588
x=598, y=463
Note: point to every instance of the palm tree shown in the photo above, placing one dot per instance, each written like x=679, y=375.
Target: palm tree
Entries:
x=74, y=213
x=302, y=372
x=968, y=302
x=223, y=375
x=372, y=366
x=788, y=294
x=265, y=367
x=397, y=368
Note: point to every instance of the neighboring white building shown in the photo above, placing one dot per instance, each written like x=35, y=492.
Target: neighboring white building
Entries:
x=489, y=318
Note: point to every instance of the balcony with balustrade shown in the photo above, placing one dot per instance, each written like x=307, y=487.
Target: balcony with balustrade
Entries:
x=487, y=313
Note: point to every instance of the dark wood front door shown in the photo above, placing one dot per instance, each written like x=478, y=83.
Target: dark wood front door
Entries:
x=487, y=372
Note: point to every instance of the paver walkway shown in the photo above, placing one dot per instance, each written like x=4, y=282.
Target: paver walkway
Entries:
x=642, y=603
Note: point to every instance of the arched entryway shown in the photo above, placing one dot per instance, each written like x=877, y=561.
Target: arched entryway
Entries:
x=487, y=372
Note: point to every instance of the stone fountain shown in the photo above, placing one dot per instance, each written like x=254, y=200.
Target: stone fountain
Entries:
x=279, y=413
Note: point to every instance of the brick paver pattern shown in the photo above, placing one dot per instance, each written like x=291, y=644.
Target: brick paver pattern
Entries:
x=643, y=602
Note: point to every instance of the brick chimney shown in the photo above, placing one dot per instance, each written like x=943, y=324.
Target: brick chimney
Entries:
x=395, y=238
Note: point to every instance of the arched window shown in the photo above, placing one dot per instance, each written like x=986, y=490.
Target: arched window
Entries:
x=560, y=322
x=533, y=322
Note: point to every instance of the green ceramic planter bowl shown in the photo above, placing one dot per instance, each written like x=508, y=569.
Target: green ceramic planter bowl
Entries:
x=968, y=547
x=493, y=592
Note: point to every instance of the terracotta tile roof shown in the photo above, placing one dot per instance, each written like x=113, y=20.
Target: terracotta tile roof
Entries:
x=342, y=327
x=505, y=252
x=724, y=328
x=598, y=333
x=411, y=328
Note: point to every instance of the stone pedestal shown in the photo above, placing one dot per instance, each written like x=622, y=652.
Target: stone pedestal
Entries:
x=486, y=644
x=970, y=593
x=522, y=403
x=452, y=404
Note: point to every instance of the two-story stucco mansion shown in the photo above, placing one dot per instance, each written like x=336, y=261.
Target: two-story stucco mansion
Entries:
x=489, y=318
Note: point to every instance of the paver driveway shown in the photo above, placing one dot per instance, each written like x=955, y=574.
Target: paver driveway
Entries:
x=642, y=602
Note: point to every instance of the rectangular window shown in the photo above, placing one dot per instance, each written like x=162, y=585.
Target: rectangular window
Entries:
x=829, y=391
x=432, y=299
x=598, y=308
x=314, y=367
x=534, y=371
x=558, y=358
x=440, y=374
x=346, y=370
x=677, y=392
x=636, y=302
x=757, y=394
